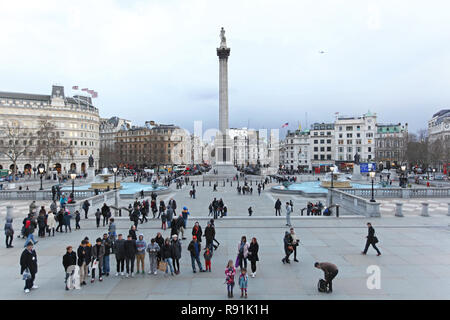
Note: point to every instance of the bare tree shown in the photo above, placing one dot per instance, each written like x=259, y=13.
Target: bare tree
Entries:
x=15, y=142
x=109, y=156
x=49, y=146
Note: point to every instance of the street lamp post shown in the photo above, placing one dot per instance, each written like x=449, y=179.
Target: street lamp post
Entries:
x=115, y=172
x=403, y=167
x=332, y=175
x=41, y=171
x=372, y=176
x=73, y=177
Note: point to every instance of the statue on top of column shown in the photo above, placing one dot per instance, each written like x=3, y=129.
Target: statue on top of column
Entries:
x=223, y=40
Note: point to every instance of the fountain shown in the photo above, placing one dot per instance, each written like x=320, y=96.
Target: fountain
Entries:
x=339, y=180
x=101, y=181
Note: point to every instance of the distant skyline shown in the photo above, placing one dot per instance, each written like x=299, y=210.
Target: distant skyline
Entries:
x=156, y=60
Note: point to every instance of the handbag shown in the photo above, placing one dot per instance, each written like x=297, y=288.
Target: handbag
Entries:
x=375, y=240
x=162, y=266
x=238, y=260
x=94, y=264
x=290, y=248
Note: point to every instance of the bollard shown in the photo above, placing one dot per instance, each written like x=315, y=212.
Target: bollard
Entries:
x=425, y=209
x=210, y=183
x=337, y=211
x=197, y=183
x=448, y=209
x=251, y=182
x=231, y=184
x=399, y=209
x=120, y=212
x=203, y=184
x=224, y=183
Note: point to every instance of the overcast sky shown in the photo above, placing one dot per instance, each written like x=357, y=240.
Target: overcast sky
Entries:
x=156, y=60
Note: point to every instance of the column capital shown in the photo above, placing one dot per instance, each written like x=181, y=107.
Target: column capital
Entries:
x=223, y=53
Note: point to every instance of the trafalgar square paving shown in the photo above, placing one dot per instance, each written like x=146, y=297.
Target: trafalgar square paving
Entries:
x=415, y=260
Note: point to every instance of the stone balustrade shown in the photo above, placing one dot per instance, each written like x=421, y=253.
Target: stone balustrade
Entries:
x=95, y=201
x=352, y=203
x=41, y=194
x=404, y=193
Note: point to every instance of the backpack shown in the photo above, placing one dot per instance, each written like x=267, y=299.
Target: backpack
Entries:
x=322, y=285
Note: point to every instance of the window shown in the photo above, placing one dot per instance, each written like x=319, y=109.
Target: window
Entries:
x=328, y=156
x=322, y=149
x=329, y=141
x=316, y=157
x=349, y=135
x=316, y=149
x=349, y=141
x=322, y=141
x=328, y=148
x=322, y=157
x=340, y=135
x=349, y=149
x=349, y=128
x=340, y=141
x=315, y=141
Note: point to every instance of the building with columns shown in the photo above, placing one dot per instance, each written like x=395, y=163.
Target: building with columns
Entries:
x=75, y=130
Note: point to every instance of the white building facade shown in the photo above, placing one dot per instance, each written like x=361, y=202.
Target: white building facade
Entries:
x=354, y=135
x=76, y=122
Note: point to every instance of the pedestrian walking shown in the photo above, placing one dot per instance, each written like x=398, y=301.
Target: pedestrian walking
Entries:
x=86, y=206
x=250, y=211
x=112, y=230
x=29, y=267
x=230, y=272
x=163, y=220
x=77, y=220
x=119, y=252
x=153, y=249
x=253, y=255
x=9, y=232
x=106, y=213
x=330, y=271
x=141, y=246
x=371, y=240
x=210, y=233
x=243, y=283
x=98, y=214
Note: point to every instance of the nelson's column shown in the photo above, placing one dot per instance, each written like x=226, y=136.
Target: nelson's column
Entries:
x=223, y=146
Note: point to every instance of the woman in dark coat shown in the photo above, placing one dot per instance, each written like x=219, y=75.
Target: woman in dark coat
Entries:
x=160, y=241
x=197, y=231
x=253, y=255
x=176, y=244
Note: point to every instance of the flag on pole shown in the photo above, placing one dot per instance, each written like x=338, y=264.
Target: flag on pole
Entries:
x=75, y=88
x=84, y=89
x=285, y=125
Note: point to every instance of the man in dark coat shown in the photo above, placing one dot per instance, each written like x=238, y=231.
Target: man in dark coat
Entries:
x=330, y=270
x=28, y=262
x=288, y=248
x=106, y=213
x=86, y=206
x=278, y=208
x=210, y=233
x=195, y=248
x=69, y=259
x=130, y=254
x=84, y=258
x=371, y=240
x=119, y=252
